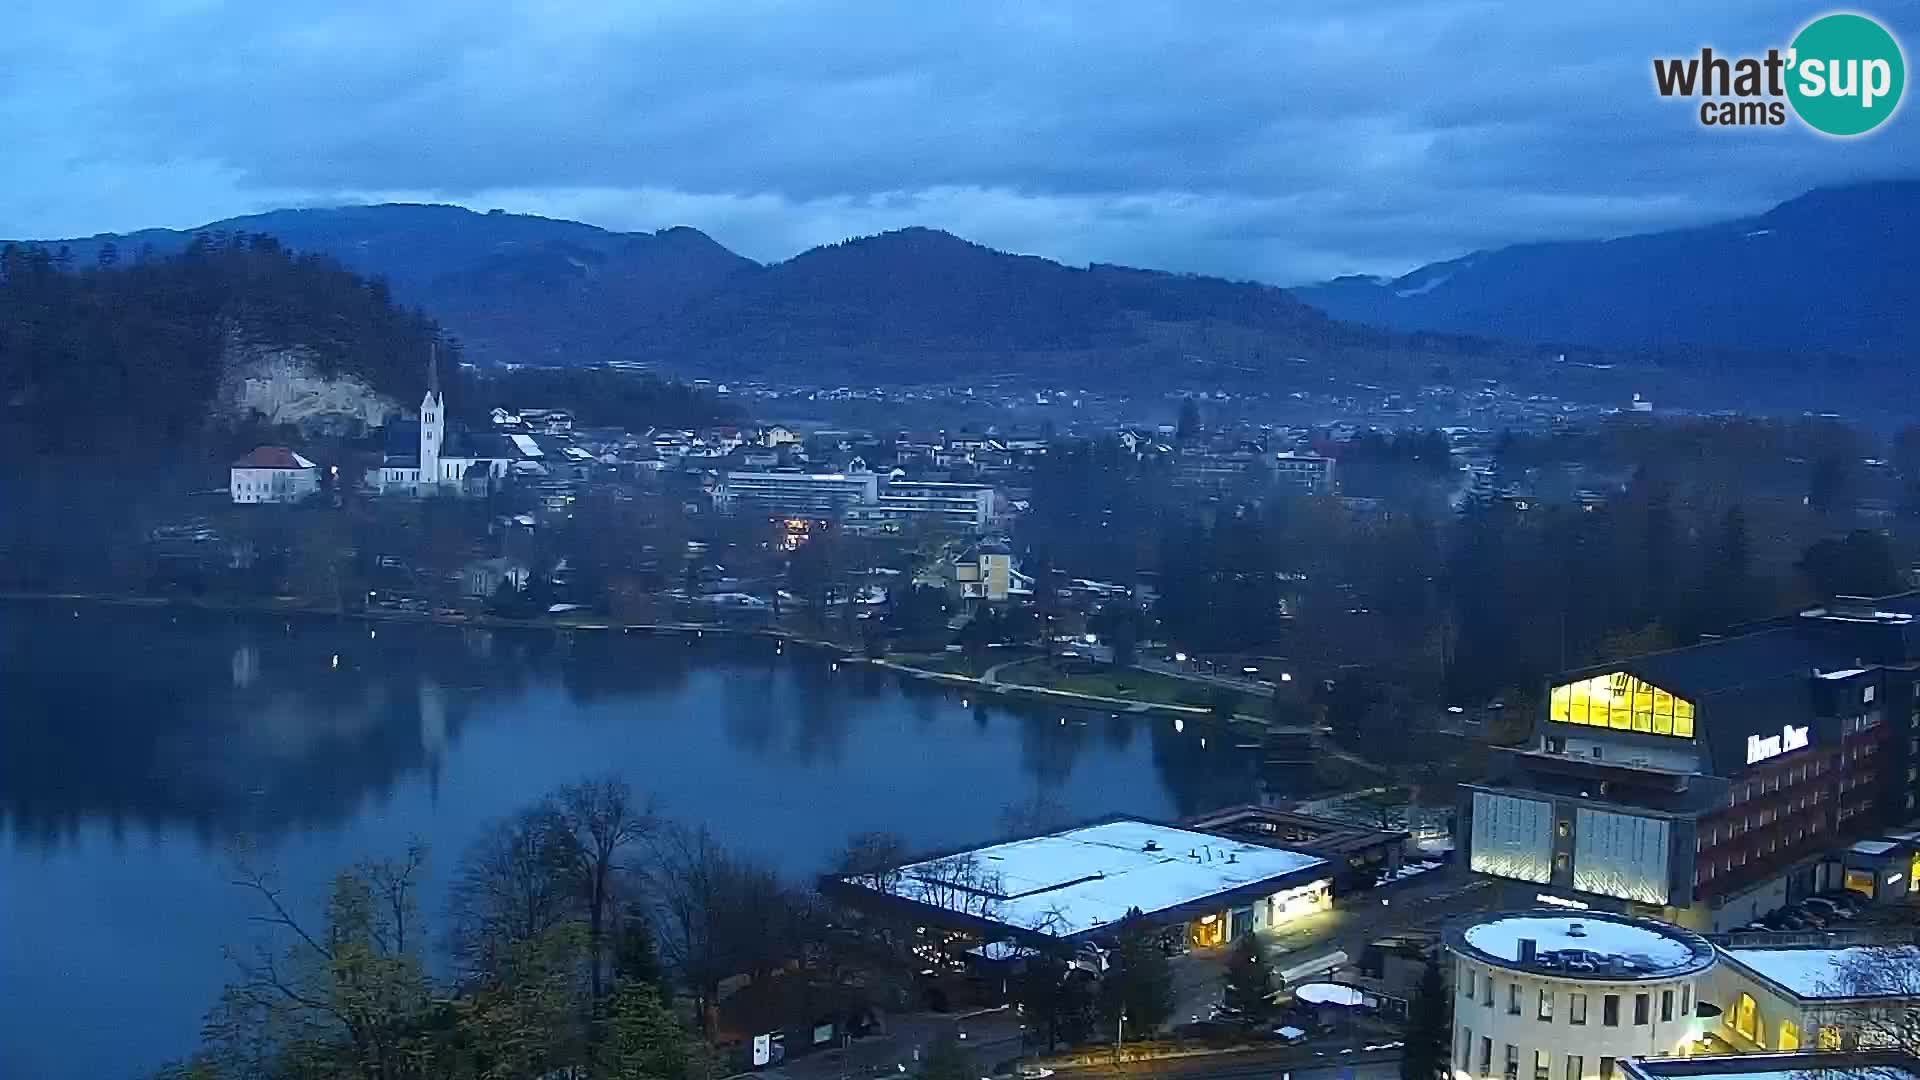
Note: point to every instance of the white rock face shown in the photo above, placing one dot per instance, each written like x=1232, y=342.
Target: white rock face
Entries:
x=284, y=385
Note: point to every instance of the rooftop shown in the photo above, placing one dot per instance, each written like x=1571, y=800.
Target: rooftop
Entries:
x=1844, y=972
x=273, y=457
x=1071, y=882
x=1588, y=944
x=1864, y=1064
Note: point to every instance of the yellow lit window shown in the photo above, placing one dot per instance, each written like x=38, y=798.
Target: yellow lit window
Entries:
x=1744, y=1015
x=1620, y=702
x=1829, y=1037
x=1789, y=1036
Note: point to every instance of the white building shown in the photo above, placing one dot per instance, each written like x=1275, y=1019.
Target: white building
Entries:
x=1792, y=998
x=1548, y=995
x=1068, y=885
x=419, y=461
x=1311, y=473
x=798, y=492
x=272, y=474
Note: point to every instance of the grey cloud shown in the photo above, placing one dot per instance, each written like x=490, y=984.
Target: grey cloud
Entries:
x=1281, y=142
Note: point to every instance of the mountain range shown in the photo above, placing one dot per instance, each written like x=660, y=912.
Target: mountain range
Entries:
x=1833, y=270
x=1829, y=272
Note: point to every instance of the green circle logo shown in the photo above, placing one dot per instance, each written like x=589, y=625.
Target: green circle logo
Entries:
x=1846, y=74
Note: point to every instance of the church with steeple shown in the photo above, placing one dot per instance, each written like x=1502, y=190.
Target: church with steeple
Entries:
x=429, y=457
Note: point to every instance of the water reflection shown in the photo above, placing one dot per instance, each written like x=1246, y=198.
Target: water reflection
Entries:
x=135, y=744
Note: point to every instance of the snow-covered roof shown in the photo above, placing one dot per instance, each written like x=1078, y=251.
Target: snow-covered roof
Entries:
x=1846, y=674
x=1817, y=973
x=1578, y=939
x=527, y=446
x=1070, y=882
x=1326, y=993
x=1873, y=847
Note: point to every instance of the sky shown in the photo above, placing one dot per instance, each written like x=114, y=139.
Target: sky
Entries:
x=1277, y=140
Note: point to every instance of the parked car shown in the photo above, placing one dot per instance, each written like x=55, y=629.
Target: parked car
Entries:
x=1784, y=919
x=1827, y=907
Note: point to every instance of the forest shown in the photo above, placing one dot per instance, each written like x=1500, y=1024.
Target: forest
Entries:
x=121, y=357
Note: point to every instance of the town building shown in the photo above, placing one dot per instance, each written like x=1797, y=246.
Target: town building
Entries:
x=1359, y=855
x=901, y=503
x=1898, y=1064
x=1067, y=887
x=1814, y=997
x=272, y=474
x=824, y=494
x=1309, y=473
x=422, y=459
x=1549, y=995
x=1711, y=784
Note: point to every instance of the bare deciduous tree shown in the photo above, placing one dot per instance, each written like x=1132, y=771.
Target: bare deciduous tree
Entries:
x=873, y=859
x=1872, y=991
x=958, y=883
x=511, y=887
x=342, y=993
x=596, y=822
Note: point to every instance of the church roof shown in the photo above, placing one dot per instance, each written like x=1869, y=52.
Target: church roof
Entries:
x=273, y=457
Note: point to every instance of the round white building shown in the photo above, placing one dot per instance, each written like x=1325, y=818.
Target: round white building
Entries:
x=1553, y=995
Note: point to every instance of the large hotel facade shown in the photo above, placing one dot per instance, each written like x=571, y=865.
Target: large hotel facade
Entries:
x=1708, y=785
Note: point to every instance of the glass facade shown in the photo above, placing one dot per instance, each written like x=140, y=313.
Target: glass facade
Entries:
x=1621, y=702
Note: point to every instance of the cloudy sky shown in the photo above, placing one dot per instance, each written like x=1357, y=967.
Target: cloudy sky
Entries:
x=1276, y=140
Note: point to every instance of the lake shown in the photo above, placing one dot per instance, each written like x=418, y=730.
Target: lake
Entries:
x=136, y=745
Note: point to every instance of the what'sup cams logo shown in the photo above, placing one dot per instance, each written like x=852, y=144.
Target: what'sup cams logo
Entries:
x=1842, y=76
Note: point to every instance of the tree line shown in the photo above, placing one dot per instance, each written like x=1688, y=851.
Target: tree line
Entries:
x=584, y=935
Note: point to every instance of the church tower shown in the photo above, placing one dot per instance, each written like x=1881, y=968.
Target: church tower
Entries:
x=433, y=423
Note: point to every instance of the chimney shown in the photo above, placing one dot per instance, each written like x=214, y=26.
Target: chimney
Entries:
x=1527, y=947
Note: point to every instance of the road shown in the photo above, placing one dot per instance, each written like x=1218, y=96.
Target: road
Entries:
x=1293, y=1063
x=1197, y=977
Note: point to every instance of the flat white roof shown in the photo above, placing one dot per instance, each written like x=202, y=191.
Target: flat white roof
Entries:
x=1501, y=938
x=1846, y=674
x=527, y=445
x=1069, y=882
x=1873, y=847
x=1816, y=973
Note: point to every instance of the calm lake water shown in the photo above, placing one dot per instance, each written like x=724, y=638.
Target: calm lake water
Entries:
x=136, y=745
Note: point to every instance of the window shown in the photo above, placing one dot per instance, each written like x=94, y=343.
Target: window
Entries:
x=1513, y=999
x=1546, y=1005
x=1642, y=1008
x=1466, y=1049
x=1574, y=1066
x=1466, y=982
x=1666, y=1005
x=1563, y=828
x=1542, y=1065
x=1744, y=1012
x=1606, y=1068
x=1513, y=1063
x=1789, y=1034
x=1828, y=1035
x=1866, y=695
x=1576, y=1008
x=1486, y=991
x=1486, y=1056
x=1610, y=1010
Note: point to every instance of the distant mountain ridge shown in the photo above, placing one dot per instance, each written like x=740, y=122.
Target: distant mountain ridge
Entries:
x=1828, y=273
x=1832, y=270
x=514, y=287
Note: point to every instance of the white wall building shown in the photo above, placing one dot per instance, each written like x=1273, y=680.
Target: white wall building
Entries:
x=1546, y=995
x=1789, y=998
x=1069, y=885
x=272, y=474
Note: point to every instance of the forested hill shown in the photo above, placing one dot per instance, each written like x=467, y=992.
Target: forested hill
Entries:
x=124, y=355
